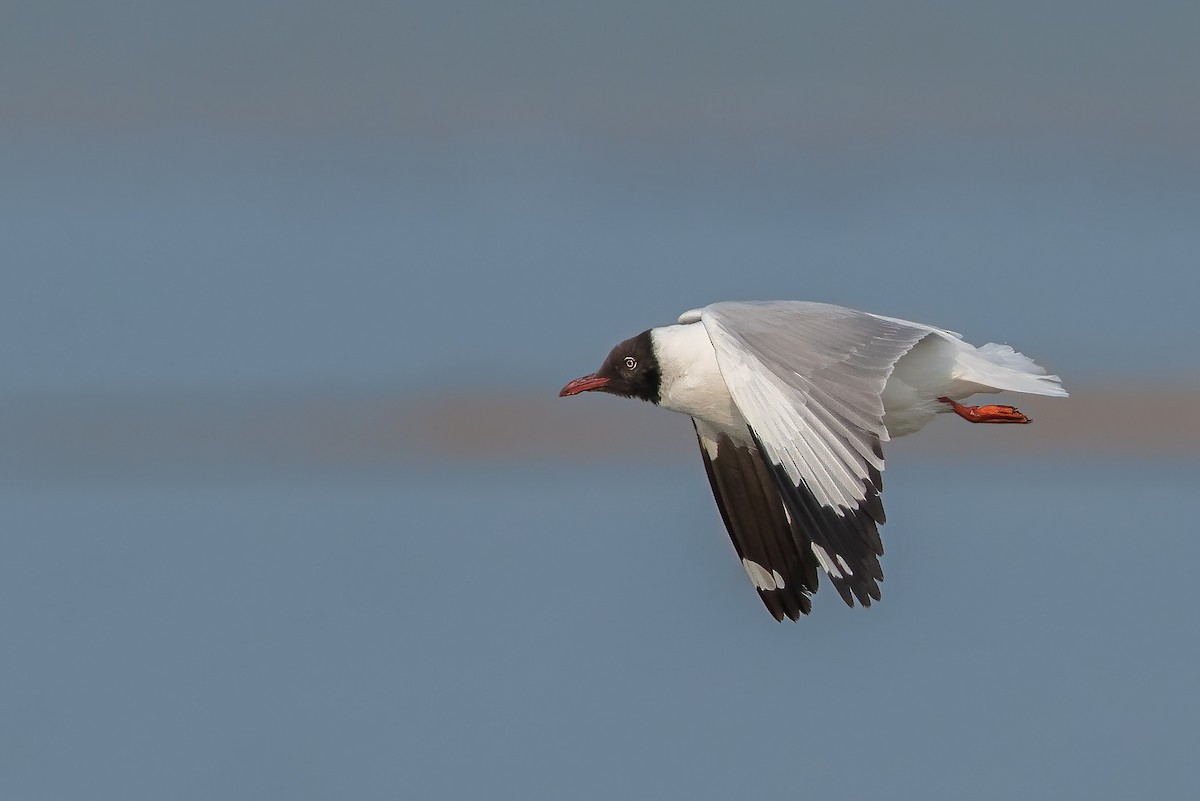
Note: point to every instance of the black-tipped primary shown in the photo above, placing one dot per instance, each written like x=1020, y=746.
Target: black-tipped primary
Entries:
x=762, y=531
x=632, y=370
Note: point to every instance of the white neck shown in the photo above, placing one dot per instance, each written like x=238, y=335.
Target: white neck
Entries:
x=691, y=381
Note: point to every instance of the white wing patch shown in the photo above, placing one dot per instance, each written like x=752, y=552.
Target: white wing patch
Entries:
x=827, y=563
x=762, y=578
x=710, y=445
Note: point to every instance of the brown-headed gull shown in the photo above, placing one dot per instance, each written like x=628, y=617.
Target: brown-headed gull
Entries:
x=791, y=402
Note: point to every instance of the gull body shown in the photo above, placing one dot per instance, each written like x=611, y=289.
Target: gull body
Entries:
x=791, y=402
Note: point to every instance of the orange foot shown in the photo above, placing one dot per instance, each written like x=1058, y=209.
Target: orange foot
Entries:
x=987, y=414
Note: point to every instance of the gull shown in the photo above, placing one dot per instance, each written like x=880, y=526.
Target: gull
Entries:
x=792, y=402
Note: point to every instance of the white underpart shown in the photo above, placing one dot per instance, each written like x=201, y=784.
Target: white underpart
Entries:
x=763, y=579
x=692, y=382
x=943, y=365
x=827, y=563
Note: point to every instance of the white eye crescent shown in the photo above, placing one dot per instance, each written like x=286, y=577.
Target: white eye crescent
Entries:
x=630, y=362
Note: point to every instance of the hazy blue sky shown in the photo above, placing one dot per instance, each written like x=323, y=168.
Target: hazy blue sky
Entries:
x=509, y=634
x=299, y=193
x=247, y=205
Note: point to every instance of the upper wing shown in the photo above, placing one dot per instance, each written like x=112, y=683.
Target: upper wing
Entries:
x=774, y=551
x=808, y=378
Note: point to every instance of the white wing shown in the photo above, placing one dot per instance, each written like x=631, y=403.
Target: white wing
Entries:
x=808, y=378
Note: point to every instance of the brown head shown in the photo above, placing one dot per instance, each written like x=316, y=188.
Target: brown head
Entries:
x=631, y=370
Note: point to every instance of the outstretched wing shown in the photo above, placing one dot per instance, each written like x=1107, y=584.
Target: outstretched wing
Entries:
x=808, y=378
x=774, y=551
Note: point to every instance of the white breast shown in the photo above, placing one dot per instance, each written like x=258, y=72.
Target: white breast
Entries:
x=691, y=380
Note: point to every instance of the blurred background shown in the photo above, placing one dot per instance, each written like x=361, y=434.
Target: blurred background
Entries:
x=289, y=508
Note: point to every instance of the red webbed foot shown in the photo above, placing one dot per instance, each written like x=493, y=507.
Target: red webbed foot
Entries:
x=987, y=414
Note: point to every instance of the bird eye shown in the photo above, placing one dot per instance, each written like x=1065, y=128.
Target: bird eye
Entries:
x=630, y=362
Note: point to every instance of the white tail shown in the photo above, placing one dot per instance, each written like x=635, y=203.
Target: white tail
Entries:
x=999, y=367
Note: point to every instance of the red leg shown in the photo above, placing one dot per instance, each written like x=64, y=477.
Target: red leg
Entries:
x=987, y=414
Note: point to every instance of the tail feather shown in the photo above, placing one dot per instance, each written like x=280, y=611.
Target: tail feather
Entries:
x=999, y=367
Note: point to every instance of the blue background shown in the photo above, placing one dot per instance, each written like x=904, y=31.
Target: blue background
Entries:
x=214, y=215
